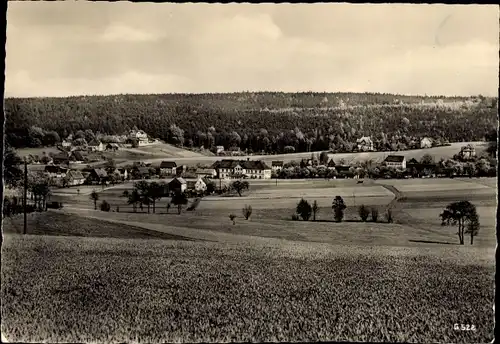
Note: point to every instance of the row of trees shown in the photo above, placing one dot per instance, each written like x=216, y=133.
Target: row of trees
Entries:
x=195, y=120
x=304, y=210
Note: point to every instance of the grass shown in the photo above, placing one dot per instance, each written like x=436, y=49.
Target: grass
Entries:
x=60, y=224
x=57, y=289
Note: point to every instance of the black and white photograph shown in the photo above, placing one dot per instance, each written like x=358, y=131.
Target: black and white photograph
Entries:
x=234, y=173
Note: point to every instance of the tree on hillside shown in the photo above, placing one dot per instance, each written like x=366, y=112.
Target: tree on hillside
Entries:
x=338, y=207
x=94, y=196
x=239, y=186
x=304, y=209
x=461, y=213
x=142, y=188
x=427, y=159
x=315, y=209
x=179, y=199
x=110, y=166
x=176, y=135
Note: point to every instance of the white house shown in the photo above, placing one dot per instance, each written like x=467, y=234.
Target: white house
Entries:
x=199, y=186
x=246, y=169
x=96, y=146
x=66, y=144
x=426, y=143
x=365, y=144
x=54, y=171
x=168, y=168
x=75, y=178
x=395, y=161
x=219, y=149
x=468, y=152
x=140, y=136
x=276, y=166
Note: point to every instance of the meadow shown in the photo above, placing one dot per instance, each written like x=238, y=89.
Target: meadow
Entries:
x=119, y=290
x=196, y=277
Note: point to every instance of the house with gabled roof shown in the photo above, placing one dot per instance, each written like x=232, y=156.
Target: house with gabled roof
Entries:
x=55, y=171
x=206, y=172
x=168, y=168
x=395, y=161
x=177, y=185
x=197, y=186
x=277, y=165
x=331, y=165
x=95, y=145
x=365, y=144
x=75, y=178
x=255, y=169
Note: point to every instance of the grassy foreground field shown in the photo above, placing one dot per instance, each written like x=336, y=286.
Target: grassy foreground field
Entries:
x=113, y=290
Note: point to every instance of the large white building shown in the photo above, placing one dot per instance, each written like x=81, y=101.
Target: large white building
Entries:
x=242, y=169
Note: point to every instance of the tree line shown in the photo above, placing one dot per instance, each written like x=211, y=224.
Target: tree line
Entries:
x=255, y=122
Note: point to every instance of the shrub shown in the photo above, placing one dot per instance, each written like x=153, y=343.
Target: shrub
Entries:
x=295, y=217
x=363, y=213
x=232, y=217
x=315, y=209
x=304, y=209
x=374, y=214
x=105, y=206
x=247, y=211
x=388, y=216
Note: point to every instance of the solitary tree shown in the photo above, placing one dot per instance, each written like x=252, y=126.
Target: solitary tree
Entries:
x=315, y=209
x=133, y=198
x=473, y=227
x=247, y=211
x=363, y=212
x=95, y=197
x=155, y=192
x=323, y=158
x=239, y=186
x=304, y=209
x=179, y=199
x=232, y=217
x=460, y=213
x=338, y=207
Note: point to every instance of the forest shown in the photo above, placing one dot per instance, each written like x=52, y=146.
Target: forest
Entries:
x=269, y=122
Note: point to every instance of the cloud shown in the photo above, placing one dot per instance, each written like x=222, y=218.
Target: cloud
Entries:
x=120, y=32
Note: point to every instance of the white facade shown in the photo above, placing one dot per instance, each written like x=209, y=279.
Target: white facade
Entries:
x=426, y=143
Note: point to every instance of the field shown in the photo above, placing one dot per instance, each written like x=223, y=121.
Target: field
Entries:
x=112, y=290
x=437, y=153
x=264, y=279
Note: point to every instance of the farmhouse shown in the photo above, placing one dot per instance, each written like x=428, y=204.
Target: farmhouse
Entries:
x=168, y=168
x=140, y=136
x=331, y=165
x=77, y=157
x=219, y=149
x=467, y=152
x=276, y=166
x=395, y=161
x=96, y=146
x=426, y=143
x=177, y=185
x=66, y=144
x=54, y=171
x=61, y=158
x=365, y=144
x=112, y=147
x=123, y=172
x=239, y=168
x=198, y=186
x=97, y=175
x=206, y=173
x=75, y=178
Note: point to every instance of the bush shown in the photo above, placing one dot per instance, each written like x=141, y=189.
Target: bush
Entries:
x=363, y=213
x=105, y=206
x=295, y=217
x=304, y=209
x=388, y=216
x=232, y=217
x=374, y=214
x=247, y=211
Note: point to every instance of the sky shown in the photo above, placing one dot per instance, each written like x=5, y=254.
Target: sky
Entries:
x=67, y=48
